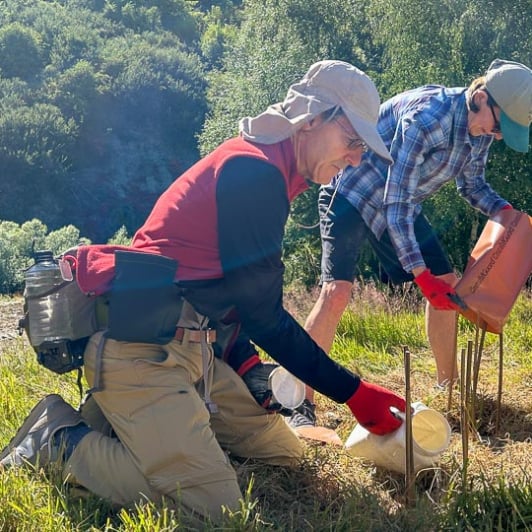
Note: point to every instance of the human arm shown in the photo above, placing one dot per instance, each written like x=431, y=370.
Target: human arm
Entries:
x=244, y=359
x=471, y=182
x=441, y=295
x=418, y=147
x=430, y=146
x=252, y=212
x=424, y=162
x=253, y=208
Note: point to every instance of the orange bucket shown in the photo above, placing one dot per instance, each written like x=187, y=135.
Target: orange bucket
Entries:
x=497, y=270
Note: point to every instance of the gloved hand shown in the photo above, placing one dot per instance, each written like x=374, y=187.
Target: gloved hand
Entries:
x=441, y=295
x=255, y=374
x=371, y=404
x=507, y=207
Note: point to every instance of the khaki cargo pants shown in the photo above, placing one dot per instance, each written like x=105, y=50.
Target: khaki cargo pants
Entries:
x=168, y=444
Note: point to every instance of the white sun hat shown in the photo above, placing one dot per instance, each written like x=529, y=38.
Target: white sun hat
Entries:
x=326, y=85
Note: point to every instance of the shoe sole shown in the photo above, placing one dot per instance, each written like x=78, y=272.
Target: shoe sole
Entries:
x=29, y=422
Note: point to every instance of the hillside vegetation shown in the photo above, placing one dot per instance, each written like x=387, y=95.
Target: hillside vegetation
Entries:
x=104, y=103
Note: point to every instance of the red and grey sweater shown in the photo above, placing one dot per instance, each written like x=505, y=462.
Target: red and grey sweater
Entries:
x=223, y=222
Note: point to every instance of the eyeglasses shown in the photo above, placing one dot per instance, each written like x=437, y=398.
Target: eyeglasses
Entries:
x=496, y=124
x=353, y=143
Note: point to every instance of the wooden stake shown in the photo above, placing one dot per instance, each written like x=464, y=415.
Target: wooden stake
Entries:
x=499, y=387
x=451, y=381
x=464, y=425
x=409, y=441
x=479, y=349
x=470, y=398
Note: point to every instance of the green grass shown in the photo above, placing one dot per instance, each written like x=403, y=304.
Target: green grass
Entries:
x=373, y=340
x=330, y=490
x=499, y=505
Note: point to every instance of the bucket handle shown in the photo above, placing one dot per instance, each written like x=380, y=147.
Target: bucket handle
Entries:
x=397, y=413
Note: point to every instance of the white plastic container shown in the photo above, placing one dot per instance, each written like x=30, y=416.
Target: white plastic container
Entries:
x=431, y=435
x=287, y=390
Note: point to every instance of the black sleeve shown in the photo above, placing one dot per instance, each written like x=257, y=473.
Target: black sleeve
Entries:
x=252, y=211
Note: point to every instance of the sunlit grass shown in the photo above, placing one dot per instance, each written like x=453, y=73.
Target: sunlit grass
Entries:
x=330, y=490
x=373, y=340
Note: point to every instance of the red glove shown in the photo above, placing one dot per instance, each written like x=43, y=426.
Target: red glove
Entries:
x=507, y=208
x=371, y=404
x=441, y=295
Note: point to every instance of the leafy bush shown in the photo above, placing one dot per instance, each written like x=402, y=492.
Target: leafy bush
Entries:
x=75, y=90
x=121, y=237
x=18, y=243
x=11, y=261
x=20, y=53
x=65, y=238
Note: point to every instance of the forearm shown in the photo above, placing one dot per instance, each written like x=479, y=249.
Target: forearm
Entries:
x=289, y=345
x=400, y=226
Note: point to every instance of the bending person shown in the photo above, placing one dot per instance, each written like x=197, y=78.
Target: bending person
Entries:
x=435, y=135
x=174, y=405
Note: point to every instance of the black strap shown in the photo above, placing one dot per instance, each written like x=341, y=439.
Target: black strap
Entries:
x=51, y=291
x=80, y=384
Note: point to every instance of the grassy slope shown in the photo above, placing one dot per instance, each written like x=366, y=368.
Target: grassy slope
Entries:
x=331, y=490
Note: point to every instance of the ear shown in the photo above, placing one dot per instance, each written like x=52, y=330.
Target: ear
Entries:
x=479, y=97
x=311, y=124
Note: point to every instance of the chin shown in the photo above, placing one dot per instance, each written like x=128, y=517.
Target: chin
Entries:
x=321, y=180
x=326, y=179
x=313, y=178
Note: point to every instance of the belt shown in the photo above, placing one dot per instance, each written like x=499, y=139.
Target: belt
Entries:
x=194, y=336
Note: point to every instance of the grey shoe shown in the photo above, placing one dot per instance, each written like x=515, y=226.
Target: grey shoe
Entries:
x=33, y=443
x=304, y=415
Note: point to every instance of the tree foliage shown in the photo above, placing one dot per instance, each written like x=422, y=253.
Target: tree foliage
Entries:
x=36, y=144
x=104, y=102
x=20, y=52
x=101, y=102
x=19, y=242
x=401, y=45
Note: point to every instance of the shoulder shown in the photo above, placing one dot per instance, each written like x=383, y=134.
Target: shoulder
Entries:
x=426, y=103
x=430, y=110
x=251, y=177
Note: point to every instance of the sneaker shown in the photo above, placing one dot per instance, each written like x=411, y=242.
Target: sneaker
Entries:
x=33, y=443
x=303, y=416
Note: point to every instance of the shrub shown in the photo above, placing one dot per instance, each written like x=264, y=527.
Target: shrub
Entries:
x=18, y=243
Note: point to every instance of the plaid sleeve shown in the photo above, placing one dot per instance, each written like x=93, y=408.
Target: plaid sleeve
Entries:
x=414, y=137
x=472, y=185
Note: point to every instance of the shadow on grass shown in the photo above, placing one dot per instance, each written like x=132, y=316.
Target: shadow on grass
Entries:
x=515, y=423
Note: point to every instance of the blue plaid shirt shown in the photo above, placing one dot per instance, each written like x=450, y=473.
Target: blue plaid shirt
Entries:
x=425, y=130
